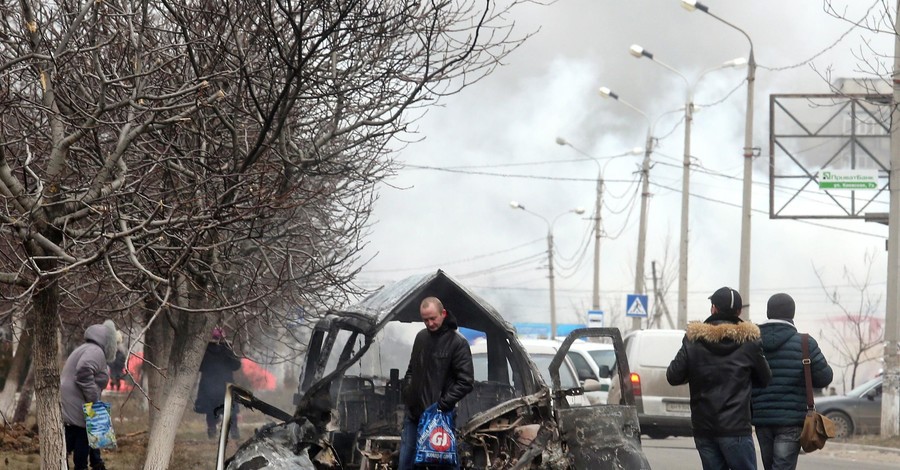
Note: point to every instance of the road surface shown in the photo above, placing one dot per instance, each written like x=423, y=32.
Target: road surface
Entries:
x=679, y=454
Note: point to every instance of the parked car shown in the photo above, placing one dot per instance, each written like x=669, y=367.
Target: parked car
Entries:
x=541, y=352
x=349, y=413
x=663, y=410
x=857, y=412
x=594, y=361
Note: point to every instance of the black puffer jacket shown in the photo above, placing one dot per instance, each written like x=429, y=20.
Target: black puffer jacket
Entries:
x=721, y=359
x=440, y=369
x=783, y=402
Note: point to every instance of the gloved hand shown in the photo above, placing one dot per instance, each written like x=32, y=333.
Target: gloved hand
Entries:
x=443, y=406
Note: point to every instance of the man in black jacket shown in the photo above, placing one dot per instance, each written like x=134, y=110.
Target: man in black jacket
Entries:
x=440, y=371
x=721, y=359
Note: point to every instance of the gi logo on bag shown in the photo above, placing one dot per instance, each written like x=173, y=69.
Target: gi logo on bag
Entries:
x=440, y=440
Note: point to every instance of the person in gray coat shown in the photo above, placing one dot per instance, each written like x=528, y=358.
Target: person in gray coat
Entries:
x=83, y=378
x=779, y=409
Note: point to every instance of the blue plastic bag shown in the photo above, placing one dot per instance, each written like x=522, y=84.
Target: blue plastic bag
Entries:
x=436, y=442
x=99, y=425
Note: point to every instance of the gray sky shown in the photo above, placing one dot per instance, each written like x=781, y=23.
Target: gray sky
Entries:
x=462, y=222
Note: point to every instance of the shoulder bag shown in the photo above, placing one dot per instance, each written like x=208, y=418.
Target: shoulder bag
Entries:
x=816, y=427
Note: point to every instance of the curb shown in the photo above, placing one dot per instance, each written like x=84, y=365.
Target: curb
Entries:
x=859, y=447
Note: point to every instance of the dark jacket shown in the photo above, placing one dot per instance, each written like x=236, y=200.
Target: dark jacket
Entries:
x=440, y=369
x=721, y=359
x=117, y=366
x=783, y=402
x=217, y=369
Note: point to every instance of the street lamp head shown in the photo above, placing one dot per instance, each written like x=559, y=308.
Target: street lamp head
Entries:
x=516, y=205
x=691, y=5
x=739, y=62
x=561, y=141
x=578, y=210
x=637, y=151
x=639, y=52
x=607, y=93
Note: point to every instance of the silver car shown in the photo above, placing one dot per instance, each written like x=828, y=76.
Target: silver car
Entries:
x=857, y=412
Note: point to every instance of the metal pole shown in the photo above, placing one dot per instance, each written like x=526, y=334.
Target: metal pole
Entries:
x=595, y=300
x=744, y=287
x=744, y=280
x=890, y=404
x=642, y=230
x=685, y=204
x=552, y=288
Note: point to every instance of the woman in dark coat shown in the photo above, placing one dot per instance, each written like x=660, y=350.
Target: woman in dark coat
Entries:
x=216, y=370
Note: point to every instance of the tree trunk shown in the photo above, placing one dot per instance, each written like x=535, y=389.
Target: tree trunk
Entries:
x=46, y=375
x=187, y=353
x=157, y=348
x=24, y=403
x=16, y=371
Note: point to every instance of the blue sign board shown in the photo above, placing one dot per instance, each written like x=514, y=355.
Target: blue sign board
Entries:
x=542, y=330
x=637, y=306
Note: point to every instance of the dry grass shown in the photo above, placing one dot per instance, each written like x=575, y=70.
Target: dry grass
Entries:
x=193, y=449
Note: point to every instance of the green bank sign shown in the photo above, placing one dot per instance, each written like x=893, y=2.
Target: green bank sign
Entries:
x=848, y=179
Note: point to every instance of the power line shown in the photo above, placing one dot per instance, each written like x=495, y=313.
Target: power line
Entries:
x=507, y=175
x=760, y=211
x=504, y=267
x=464, y=260
x=835, y=43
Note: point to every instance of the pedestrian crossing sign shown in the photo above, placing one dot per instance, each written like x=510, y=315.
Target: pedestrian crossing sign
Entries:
x=636, y=306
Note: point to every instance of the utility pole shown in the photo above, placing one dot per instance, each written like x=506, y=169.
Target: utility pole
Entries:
x=659, y=302
x=744, y=279
x=642, y=230
x=579, y=210
x=890, y=403
x=595, y=299
x=552, y=287
x=685, y=196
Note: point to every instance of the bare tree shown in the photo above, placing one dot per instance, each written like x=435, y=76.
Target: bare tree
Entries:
x=202, y=157
x=858, y=331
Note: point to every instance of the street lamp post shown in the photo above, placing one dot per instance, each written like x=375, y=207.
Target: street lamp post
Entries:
x=645, y=194
x=638, y=51
x=744, y=280
x=578, y=210
x=598, y=218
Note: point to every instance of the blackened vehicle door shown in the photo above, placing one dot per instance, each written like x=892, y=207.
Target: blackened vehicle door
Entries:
x=602, y=436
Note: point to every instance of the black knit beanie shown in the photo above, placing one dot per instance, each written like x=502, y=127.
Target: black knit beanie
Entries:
x=780, y=306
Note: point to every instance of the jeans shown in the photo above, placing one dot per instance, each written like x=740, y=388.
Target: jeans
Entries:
x=408, y=443
x=779, y=446
x=726, y=453
x=77, y=445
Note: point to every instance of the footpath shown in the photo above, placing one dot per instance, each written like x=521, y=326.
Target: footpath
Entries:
x=860, y=452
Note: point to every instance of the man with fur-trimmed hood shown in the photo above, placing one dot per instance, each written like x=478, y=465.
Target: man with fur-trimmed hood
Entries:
x=82, y=380
x=721, y=359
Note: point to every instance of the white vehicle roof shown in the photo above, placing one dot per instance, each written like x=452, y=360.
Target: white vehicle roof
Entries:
x=656, y=333
x=580, y=345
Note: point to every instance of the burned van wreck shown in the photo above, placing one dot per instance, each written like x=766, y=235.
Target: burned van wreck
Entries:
x=349, y=412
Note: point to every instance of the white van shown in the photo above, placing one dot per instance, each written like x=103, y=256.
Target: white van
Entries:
x=541, y=352
x=594, y=361
x=663, y=410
